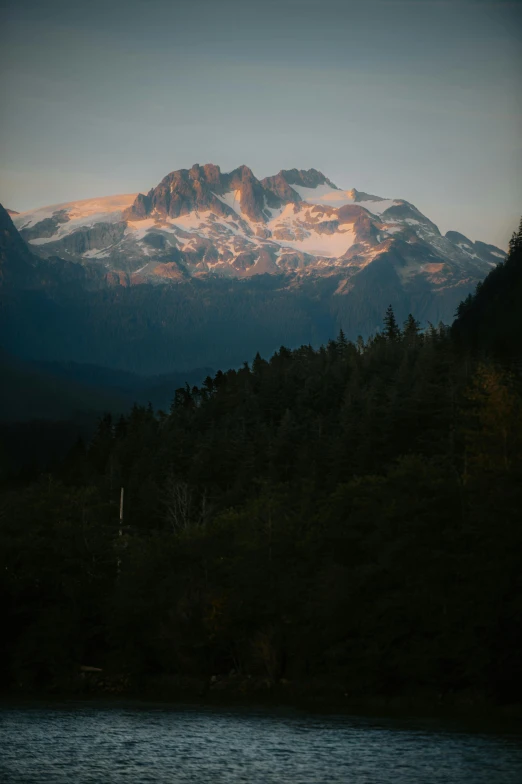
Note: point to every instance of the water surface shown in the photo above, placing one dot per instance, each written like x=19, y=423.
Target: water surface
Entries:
x=89, y=743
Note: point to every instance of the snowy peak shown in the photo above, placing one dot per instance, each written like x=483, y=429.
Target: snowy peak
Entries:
x=475, y=250
x=286, y=185
x=201, y=220
x=198, y=189
x=201, y=188
x=361, y=196
x=309, y=178
x=249, y=192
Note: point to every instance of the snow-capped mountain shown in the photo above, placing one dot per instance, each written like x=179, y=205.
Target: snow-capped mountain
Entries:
x=80, y=280
x=202, y=221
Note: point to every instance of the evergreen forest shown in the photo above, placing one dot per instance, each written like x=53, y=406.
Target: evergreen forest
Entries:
x=351, y=514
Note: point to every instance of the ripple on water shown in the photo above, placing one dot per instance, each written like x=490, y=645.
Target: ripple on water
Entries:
x=89, y=744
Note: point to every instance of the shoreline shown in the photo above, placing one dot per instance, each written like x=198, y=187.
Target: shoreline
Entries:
x=318, y=696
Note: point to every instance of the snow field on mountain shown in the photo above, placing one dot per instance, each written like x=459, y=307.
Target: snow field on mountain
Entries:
x=80, y=213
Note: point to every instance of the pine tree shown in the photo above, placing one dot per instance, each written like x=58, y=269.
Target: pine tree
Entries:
x=411, y=330
x=391, y=328
x=120, y=430
x=515, y=243
x=259, y=364
x=208, y=387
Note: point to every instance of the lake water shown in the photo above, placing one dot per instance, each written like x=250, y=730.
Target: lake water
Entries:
x=80, y=743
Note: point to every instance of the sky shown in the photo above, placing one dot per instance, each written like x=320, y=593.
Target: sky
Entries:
x=412, y=99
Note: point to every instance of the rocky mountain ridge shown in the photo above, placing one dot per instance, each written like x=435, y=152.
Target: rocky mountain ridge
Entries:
x=202, y=221
x=210, y=267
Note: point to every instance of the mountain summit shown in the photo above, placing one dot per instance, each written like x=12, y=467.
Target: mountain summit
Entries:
x=201, y=220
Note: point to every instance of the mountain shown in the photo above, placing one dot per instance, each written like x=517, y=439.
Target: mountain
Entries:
x=209, y=267
x=200, y=221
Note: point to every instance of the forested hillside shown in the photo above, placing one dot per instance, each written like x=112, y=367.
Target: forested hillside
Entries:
x=490, y=321
x=214, y=322
x=55, y=391
x=350, y=514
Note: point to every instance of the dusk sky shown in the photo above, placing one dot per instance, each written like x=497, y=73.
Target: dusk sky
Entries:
x=414, y=99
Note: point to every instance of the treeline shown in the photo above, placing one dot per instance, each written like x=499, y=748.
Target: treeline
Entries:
x=350, y=513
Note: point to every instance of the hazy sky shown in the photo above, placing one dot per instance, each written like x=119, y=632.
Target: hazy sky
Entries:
x=418, y=99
